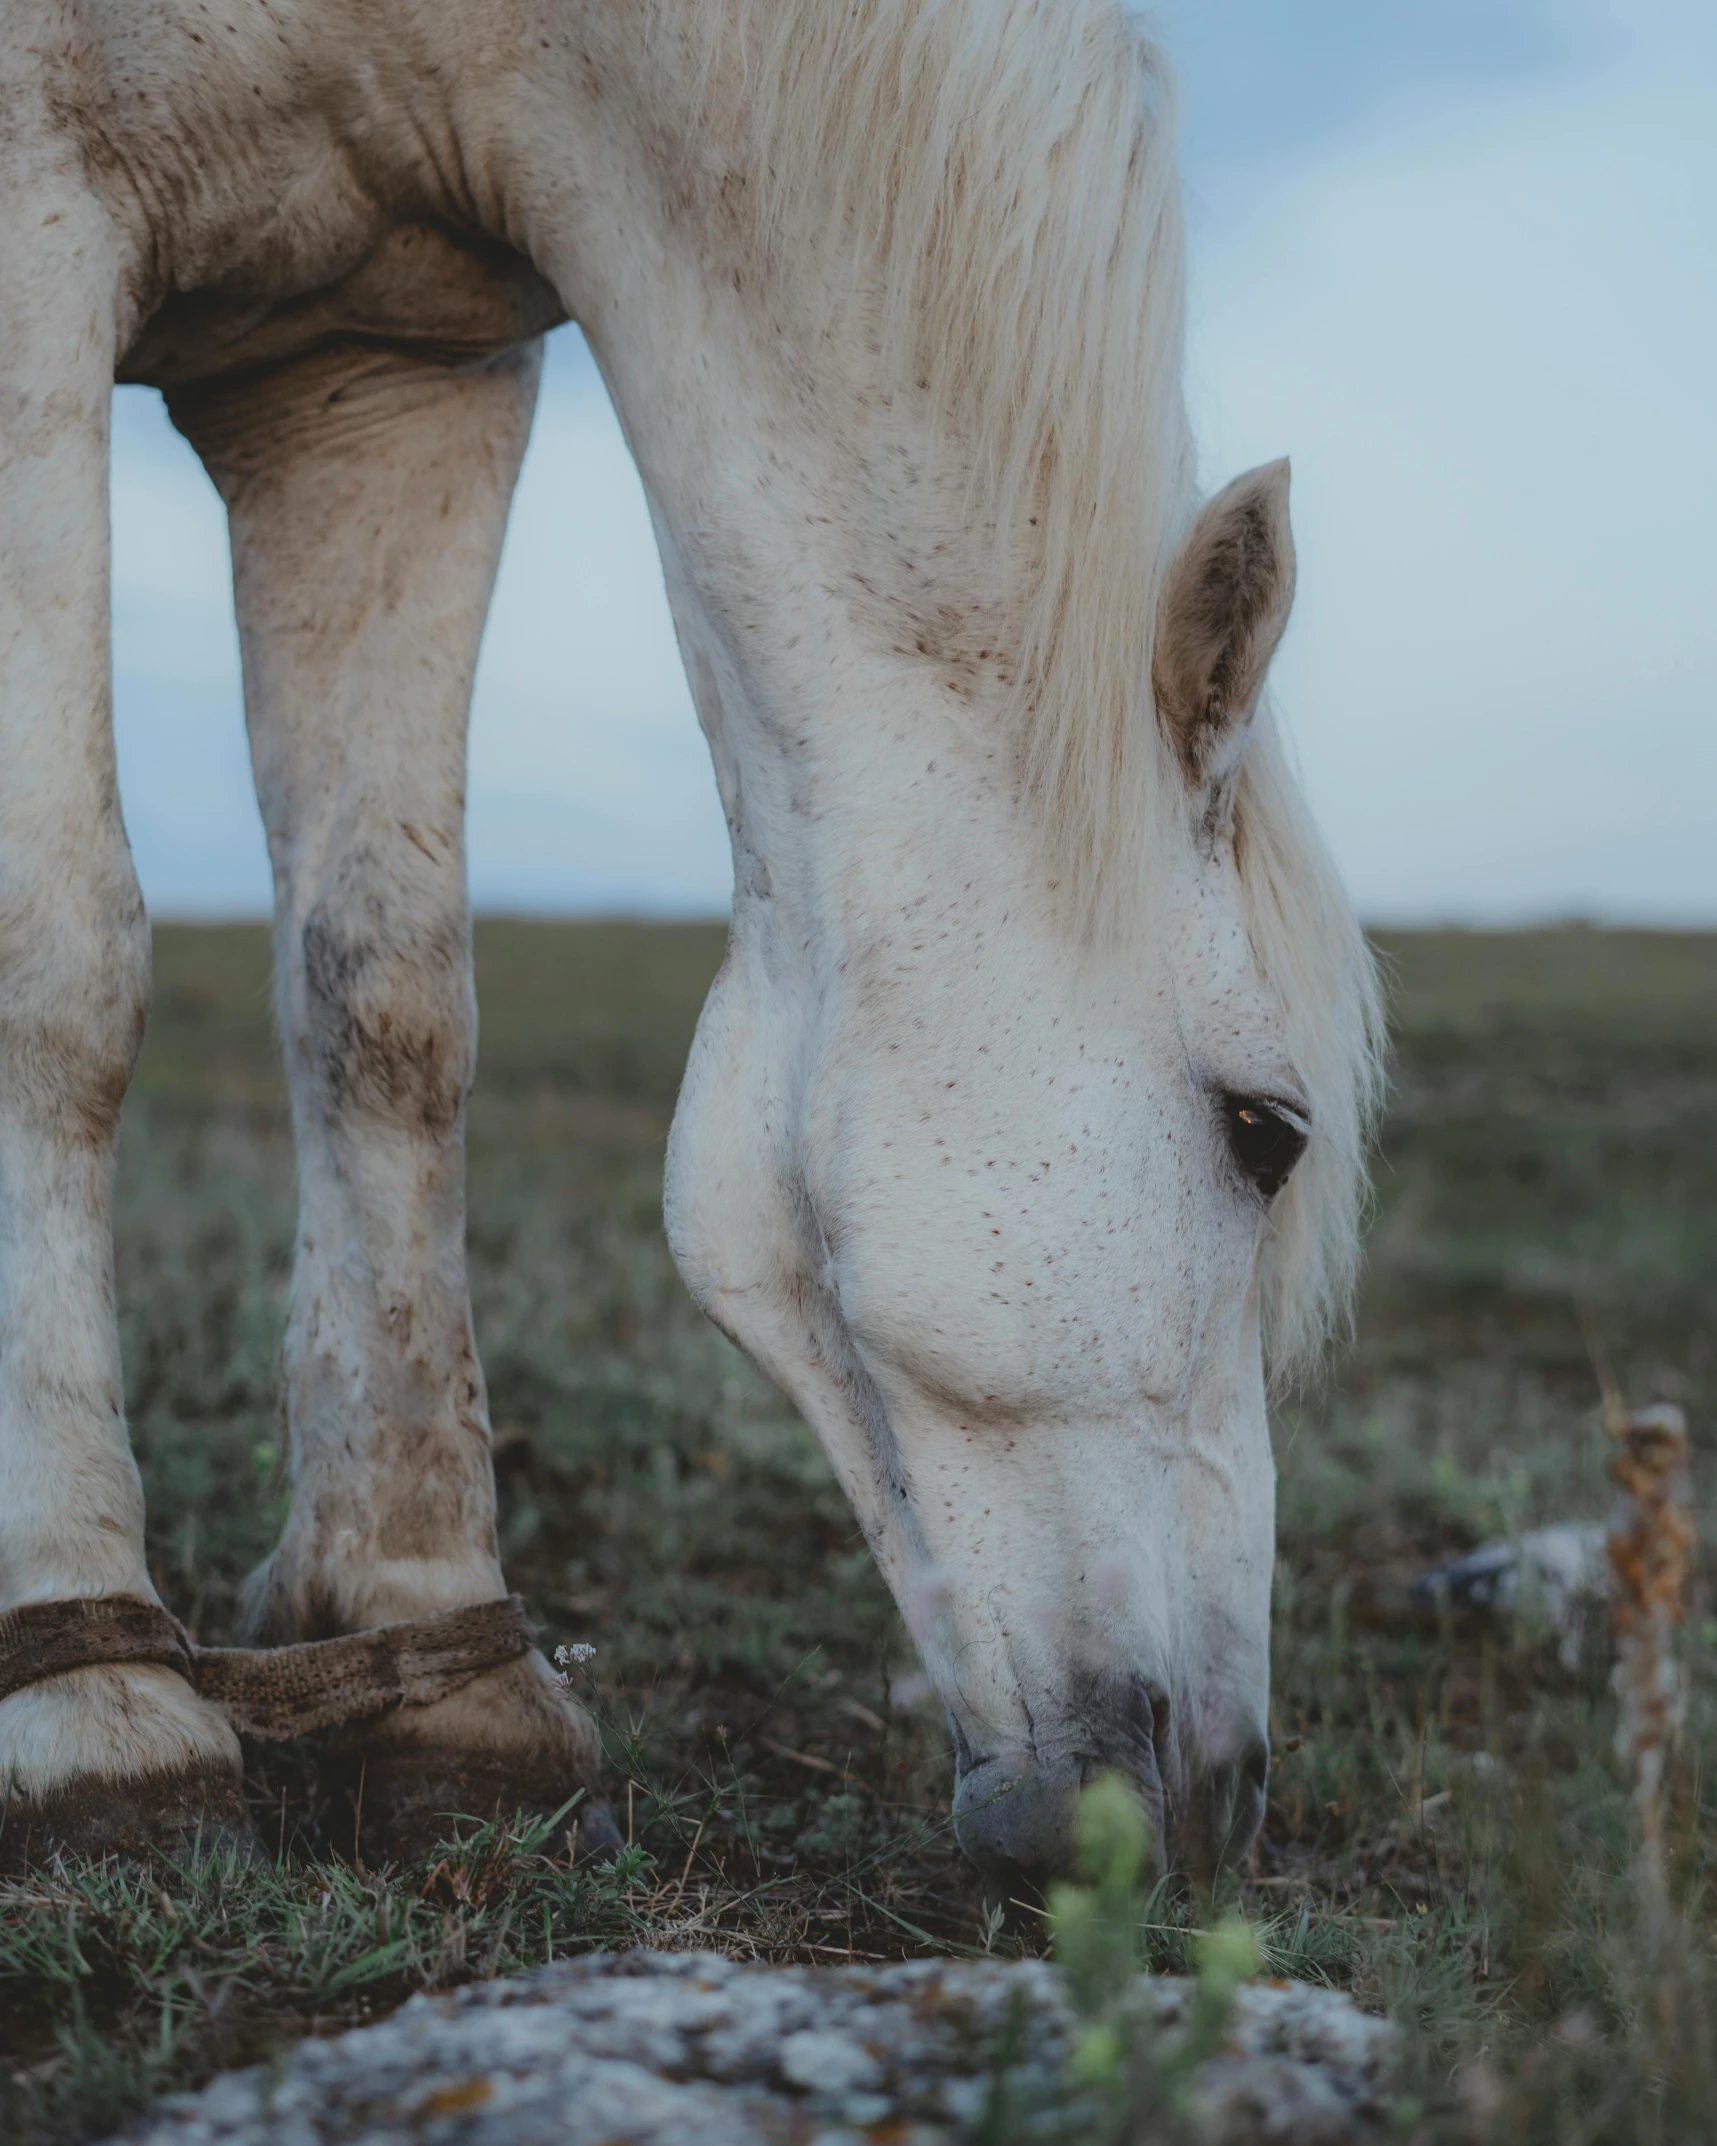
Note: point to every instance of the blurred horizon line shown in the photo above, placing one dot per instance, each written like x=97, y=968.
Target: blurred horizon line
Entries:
x=623, y=913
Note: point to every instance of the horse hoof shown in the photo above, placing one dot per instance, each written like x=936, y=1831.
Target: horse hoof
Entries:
x=402, y=1804
x=118, y=1759
x=181, y=1817
x=509, y=1741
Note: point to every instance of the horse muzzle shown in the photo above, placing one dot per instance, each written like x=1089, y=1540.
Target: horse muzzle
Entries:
x=1016, y=1811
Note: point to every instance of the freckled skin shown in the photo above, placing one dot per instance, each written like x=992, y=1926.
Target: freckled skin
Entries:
x=949, y=1172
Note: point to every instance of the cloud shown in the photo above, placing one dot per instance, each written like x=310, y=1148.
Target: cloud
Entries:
x=1488, y=335
x=1265, y=85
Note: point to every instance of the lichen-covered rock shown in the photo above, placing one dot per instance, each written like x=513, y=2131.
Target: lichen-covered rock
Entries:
x=689, y=2049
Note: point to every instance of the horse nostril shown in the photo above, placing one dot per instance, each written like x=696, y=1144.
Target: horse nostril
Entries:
x=1140, y=1708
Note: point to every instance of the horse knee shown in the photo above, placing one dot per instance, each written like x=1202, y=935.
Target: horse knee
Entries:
x=388, y=1017
x=74, y=993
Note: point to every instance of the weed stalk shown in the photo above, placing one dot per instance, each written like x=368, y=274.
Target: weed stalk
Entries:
x=1650, y=1540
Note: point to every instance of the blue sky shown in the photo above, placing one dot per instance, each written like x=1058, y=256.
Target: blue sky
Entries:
x=1457, y=257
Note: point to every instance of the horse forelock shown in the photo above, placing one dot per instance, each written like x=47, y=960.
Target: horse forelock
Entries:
x=998, y=178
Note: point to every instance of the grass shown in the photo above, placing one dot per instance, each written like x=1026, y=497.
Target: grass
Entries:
x=1447, y=1835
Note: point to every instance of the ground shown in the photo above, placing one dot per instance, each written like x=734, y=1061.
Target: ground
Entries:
x=1447, y=1833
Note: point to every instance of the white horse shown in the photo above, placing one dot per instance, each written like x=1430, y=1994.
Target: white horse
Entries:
x=1026, y=1116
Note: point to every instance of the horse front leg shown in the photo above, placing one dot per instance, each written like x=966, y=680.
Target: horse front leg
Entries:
x=117, y=1756
x=367, y=496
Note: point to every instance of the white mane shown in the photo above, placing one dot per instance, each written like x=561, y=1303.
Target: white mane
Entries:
x=1001, y=175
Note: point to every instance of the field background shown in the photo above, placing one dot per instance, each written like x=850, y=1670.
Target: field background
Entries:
x=1445, y=1835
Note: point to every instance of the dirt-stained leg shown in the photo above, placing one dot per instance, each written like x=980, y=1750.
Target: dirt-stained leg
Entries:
x=367, y=494
x=112, y=1757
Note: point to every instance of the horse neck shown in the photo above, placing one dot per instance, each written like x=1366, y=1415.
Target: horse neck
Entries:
x=841, y=627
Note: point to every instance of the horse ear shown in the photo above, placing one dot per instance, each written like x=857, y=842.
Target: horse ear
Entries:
x=1225, y=601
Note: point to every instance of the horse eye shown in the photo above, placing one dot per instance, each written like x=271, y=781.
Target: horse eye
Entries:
x=1266, y=1144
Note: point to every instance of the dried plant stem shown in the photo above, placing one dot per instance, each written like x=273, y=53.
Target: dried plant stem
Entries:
x=1650, y=1541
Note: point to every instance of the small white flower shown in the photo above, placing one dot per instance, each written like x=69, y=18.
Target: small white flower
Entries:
x=575, y=1656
